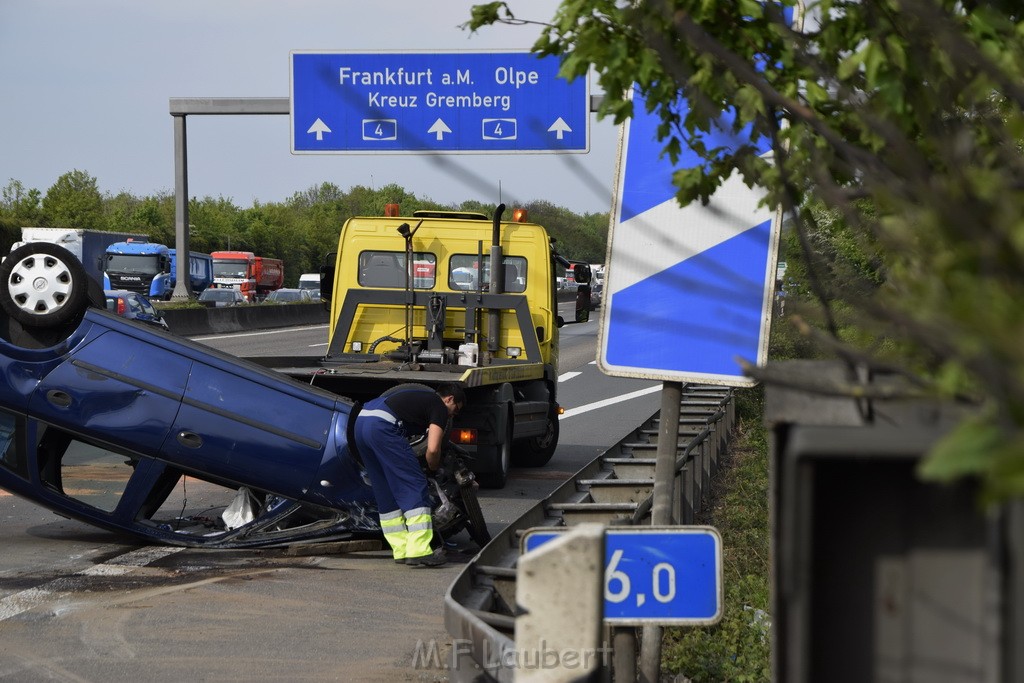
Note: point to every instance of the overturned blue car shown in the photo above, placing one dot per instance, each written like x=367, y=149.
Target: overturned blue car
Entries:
x=132, y=429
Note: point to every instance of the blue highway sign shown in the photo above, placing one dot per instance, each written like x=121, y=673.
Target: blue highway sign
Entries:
x=429, y=102
x=688, y=290
x=656, y=575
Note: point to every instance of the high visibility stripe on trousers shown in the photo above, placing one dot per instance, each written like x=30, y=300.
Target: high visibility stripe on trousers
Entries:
x=393, y=525
x=420, y=526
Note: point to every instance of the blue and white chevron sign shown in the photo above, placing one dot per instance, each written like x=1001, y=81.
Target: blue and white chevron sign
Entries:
x=687, y=290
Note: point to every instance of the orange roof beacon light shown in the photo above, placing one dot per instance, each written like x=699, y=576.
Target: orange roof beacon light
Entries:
x=391, y=210
x=519, y=215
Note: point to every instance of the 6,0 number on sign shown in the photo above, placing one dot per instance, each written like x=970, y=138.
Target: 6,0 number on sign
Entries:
x=657, y=575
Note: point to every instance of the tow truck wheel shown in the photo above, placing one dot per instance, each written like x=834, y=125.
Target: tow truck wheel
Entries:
x=43, y=285
x=537, y=450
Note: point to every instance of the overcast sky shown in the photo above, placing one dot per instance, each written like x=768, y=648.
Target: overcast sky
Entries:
x=86, y=85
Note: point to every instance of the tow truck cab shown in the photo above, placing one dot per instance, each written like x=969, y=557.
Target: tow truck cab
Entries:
x=451, y=254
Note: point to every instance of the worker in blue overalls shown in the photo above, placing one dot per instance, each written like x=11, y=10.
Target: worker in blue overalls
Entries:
x=382, y=433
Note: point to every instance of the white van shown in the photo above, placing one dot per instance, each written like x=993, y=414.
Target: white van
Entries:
x=310, y=281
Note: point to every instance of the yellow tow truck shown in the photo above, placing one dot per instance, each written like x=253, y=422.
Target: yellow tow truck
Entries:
x=417, y=299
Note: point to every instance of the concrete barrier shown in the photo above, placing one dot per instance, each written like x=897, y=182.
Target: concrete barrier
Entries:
x=195, y=321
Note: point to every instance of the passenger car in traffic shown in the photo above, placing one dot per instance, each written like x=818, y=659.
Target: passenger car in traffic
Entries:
x=596, y=294
x=287, y=295
x=132, y=429
x=221, y=296
x=134, y=306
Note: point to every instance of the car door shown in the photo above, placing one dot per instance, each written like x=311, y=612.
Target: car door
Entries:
x=120, y=386
x=241, y=423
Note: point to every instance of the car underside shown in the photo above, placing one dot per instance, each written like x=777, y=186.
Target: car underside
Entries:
x=130, y=428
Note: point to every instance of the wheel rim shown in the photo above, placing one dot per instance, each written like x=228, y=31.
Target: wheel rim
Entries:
x=545, y=441
x=40, y=284
x=542, y=442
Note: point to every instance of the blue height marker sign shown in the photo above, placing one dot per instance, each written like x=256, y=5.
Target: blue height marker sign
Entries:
x=430, y=102
x=656, y=575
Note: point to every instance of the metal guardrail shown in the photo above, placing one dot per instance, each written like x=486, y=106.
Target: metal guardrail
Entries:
x=615, y=488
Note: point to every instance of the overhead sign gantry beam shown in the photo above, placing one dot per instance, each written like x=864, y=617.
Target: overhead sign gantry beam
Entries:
x=181, y=107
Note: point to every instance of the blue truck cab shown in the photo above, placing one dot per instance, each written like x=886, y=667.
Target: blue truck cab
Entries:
x=150, y=269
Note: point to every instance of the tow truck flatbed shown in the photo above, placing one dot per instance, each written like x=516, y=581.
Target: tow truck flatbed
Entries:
x=307, y=369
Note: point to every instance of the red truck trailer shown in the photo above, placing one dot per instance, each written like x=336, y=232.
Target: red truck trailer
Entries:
x=255, y=276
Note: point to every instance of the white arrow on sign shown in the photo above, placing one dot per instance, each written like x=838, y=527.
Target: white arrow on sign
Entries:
x=319, y=127
x=559, y=128
x=439, y=128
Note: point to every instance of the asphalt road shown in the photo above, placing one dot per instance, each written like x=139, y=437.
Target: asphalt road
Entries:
x=80, y=604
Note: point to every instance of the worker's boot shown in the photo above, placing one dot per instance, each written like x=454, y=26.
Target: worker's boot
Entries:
x=434, y=559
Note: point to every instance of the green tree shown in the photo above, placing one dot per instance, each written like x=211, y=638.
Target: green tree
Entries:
x=74, y=201
x=318, y=216
x=904, y=117
x=21, y=205
x=215, y=225
x=575, y=237
x=150, y=216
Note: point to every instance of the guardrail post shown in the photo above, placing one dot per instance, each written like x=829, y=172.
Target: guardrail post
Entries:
x=624, y=659
x=697, y=472
x=686, y=514
x=560, y=588
x=661, y=511
x=709, y=454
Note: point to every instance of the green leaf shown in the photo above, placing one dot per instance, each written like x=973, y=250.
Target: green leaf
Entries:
x=749, y=103
x=485, y=15
x=874, y=60
x=967, y=450
x=850, y=65
x=1006, y=478
x=751, y=8
x=814, y=93
x=895, y=49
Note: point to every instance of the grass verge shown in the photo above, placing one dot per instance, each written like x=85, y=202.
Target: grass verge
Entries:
x=737, y=649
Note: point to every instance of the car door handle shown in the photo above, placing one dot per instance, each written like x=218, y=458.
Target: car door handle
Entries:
x=61, y=399
x=190, y=439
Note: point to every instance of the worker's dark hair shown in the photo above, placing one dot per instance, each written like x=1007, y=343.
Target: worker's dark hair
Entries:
x=453, y=390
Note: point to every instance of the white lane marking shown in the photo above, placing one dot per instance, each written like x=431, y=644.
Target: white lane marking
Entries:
x=568, y=375
x=609, y=402
x=31, y=598
x=255, y=334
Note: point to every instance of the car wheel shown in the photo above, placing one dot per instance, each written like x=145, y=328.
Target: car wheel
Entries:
x=43, y=285
x=475, y=524
x=496, y=479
